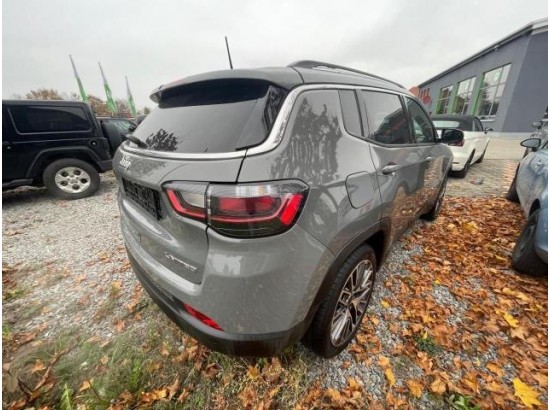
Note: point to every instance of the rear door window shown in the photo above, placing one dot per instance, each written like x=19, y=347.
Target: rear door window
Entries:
x=387, y=120
x=43, y=119
x=422, y=127
x=212, y=117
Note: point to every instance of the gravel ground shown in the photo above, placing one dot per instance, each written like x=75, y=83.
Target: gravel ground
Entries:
x=67, y=255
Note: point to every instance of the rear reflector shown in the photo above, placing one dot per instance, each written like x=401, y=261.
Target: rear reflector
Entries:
x=243, y=210
x=202, y=317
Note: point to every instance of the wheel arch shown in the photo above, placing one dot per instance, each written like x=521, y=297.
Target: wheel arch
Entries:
x=534, y=206
x=377, y=237
x=46, y=157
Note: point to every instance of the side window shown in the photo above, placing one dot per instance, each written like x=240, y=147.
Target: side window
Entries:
x=121, y=125
x=387, y=120
x=37, y=118
x=477, y=125
x=422, y=127
x=350, y=112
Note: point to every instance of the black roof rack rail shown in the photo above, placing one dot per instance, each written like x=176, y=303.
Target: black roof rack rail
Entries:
x=315, y=64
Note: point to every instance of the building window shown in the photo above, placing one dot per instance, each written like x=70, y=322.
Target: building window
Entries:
x=443, y=100
x=464, y=96
x=492, y=88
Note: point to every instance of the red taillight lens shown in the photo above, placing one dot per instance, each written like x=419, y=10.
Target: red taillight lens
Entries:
x=202, y=317
x=188, y=200
x=243, y=210
x=254, y=210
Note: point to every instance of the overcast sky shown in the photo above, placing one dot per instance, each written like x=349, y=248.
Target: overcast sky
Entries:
x=155, y=42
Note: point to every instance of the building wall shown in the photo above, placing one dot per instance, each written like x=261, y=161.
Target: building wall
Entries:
x=523, y=55
x=530, y=96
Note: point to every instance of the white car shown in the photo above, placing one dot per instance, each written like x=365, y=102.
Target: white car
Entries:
x=476, y=139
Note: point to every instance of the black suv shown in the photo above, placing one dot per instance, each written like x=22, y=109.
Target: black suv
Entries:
x=57, y=144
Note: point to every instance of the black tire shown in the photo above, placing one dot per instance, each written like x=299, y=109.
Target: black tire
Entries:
x=524, y=256
x=512, y=194
x=464, y=171
x=88, y=183
x=433, y=213
x=318, y=336
x=112, y=134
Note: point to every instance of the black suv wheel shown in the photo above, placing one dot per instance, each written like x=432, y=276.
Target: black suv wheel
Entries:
x=71, y=179
x=340, y=315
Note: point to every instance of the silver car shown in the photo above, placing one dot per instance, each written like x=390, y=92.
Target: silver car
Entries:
x=530, y=189
x=257, y=205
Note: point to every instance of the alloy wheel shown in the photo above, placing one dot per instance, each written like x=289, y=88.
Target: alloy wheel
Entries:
x=352, y=302
x=72, y=180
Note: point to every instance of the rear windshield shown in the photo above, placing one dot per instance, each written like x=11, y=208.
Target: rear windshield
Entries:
x=212, y=117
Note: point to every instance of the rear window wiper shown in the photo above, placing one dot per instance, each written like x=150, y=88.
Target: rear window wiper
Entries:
x=137, y=141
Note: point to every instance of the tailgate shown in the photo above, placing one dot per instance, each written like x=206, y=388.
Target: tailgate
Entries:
x=147, y=218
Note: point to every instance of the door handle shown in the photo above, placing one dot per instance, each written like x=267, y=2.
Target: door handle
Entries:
x=390, y=169
x=6, y=144
x=429, y=159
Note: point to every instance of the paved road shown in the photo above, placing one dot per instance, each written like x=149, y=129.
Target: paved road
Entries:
x=494, y=175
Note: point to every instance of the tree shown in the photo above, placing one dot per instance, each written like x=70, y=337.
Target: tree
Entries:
x=99, y=107
x=72, y=96
x=43, y=94
x=122, y=108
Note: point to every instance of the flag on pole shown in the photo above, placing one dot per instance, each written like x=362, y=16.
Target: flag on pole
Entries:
x=110, y=102
x=131, y=100
x=80, y=87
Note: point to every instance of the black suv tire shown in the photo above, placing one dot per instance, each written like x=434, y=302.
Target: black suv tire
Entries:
x=319, y=334
x=68, y=170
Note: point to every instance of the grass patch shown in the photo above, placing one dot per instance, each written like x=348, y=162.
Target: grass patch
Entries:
x=12, y=294
x=460, y=402
x=426, y=343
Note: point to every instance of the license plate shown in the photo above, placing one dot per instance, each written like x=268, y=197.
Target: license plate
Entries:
x=146, y=198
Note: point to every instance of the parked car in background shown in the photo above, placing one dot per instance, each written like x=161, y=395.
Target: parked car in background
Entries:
x=124, y=125
x=472, y=149
x=57, y=144
x=257, y=205
x=530, y=189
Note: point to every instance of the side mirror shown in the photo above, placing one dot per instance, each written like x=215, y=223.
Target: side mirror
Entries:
x=537, y=124
x=452, y=136
x=488, y=129
x=532, y=143
x=132, y=128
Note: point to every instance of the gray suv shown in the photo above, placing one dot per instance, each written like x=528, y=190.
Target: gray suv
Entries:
x=257, y=205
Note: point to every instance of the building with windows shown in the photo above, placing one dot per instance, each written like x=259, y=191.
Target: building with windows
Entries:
x=505, y=84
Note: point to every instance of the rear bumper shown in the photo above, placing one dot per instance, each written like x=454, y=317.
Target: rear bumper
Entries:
x=260, y=345
x=460, y=157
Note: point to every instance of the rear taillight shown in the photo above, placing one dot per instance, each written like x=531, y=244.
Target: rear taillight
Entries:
x=202, y=317
x=243, y=210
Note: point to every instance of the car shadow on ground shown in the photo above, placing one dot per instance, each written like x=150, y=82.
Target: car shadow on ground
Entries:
x=27, y=195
